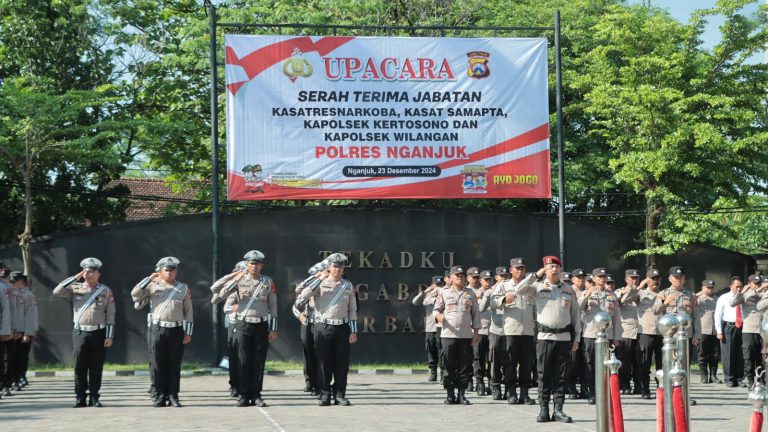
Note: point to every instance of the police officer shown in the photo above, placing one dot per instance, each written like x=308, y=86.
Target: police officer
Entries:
x=592, y=301
x=627, y=352
x=306, y=317
x=255, y=295
x=335, y=328
x=751, y=341
x=649, y=340
x=575, y=371
x=93, y=306
x=480, y=285
x=9, y=360
x=26, y=326
x=709, y=349
x=497, y=344
x=172, y=325
x=5, y=324
x=519, y=327
x=678, y=299
x=559, y=328
x=457, y=309
x=230, y=319
x=427, y=299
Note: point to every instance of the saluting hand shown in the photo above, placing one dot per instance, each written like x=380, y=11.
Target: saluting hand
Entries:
x=154, y=276
x=107, y=342
x=80, y=276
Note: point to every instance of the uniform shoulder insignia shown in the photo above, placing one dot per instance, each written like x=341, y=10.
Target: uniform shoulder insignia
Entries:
x=274, y=288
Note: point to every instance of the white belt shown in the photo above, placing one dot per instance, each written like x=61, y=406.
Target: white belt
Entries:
x=332, y=321
x=167, y=324
x=89, y=327
x=251, y=320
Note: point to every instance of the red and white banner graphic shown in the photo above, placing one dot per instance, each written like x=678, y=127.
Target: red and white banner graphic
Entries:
x=386, y=117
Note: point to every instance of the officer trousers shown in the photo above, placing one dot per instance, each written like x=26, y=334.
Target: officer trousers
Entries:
x=167, y=352
x=551, y=360
x=480, y=357
x=709, y=355
x=20, y=359
x=6, y=362
x=519, y=350
x=648, y=350
x=252, y=345
x=457, y=361
x=234, y=357
x=589, y=364
x=310, y=358
x=332, y=349
x=432, y=347
x=90, y=354
x=733, y=360
x=630, y=365
x=497, y=354
x=751, y=345
x=575, y=370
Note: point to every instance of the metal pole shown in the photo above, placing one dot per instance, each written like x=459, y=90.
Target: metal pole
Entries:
x=764, y=334
x=214, y=181
x=602, y=322
x=560, y=167
x=684, y=324
x=667, y=325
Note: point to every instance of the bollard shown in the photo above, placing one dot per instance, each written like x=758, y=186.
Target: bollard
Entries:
x=602, y=321
x=678, y=375
x=617, y=415
x=764, y=334
x=660, y=402
x=683, y=354
x=757, y=396
x=667, y=326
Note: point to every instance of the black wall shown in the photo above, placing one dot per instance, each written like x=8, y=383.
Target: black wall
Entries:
x=380, y=243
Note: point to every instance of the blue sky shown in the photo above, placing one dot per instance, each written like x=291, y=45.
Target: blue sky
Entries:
x=681, y=10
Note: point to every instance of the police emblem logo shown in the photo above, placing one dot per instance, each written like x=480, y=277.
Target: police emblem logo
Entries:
x=478, y=64
x=296, y=66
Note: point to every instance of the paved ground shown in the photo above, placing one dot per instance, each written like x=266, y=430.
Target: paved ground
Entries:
x=380, y=403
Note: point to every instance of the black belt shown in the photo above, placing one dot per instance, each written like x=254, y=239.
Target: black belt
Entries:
x=546, y=329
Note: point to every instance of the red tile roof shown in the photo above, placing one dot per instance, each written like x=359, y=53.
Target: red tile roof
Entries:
x=151, y=197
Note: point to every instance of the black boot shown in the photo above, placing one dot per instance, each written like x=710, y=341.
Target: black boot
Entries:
x=512, y=396
x=524, y=398
x=480, y=387
x=496, y=392
x=93, y=401
x=704, y=373
x=450, y=396
x=543, y=416
x=79, y=402
x=471, y=385
x=713, y=376
x=559, y=415
x=462, y=399
x=432, y=375
x=174, y=399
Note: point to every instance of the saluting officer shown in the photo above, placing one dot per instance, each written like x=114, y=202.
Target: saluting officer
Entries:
x=752, y=343
x=678, y=299
x=575, y=372
x=5, y=325
x=427, y=299
x=559, y=328
x=649, y=340
x=306, y=317
x=457, y=310
x=627, y=352
x=93, y=308
x=482, y=350
x=709, y=350
x=230, y=319
x=519, y=328
x=26, y=326
x=335, y=328
x=497, y=344
x=172, y=324
x=255, y=295
x=592, y=301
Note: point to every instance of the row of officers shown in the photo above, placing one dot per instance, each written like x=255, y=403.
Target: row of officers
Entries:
x=512, y=326
x=325, y=300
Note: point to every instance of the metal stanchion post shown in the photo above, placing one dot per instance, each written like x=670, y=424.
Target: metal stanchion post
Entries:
x=764, y=333
x=683, y=354
x=602, y=321
x=757, y=396
x=667, y=325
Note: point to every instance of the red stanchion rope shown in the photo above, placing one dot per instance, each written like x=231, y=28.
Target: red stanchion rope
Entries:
x=679, y=404
x=659, y=409
x=756, y=424
x=617, y=416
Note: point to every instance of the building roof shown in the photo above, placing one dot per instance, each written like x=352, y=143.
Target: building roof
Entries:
x=152, y=197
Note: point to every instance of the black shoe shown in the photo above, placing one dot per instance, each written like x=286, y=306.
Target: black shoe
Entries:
x=573, y=396
x=160, y=402
x=512, y=400
x=7, y=392
x=637, y=390
x=94, y=402
x=731, y=384
x=450, y=398
x=591, y=400
x=242, y=403
x=307, y=388
x=324, y=402
x=471, y=385
x=543, y=416
x=259, y=402
x=714, y=379
x=175, y=401
x=462, y=399
x=24, y=381
x=646, y=395
x=79, y=403
x=583, y=395
x=432, y=375
x=480, y=387
x=560, y=416
x=343, y=401
x=17, y=386
x=496, y=392
x=524, y=398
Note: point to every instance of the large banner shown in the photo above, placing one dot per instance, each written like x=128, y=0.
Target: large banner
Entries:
x=386, y=117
